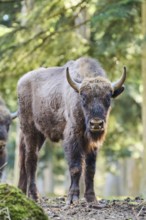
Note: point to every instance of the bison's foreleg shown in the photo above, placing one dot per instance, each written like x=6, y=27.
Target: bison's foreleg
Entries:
x=75, y=173
x=89, y=176
x=74, y=156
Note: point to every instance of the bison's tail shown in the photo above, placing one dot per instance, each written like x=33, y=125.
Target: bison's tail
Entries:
x=22, y=184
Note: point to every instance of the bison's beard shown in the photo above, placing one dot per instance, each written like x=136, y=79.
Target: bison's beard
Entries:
x=94, y=140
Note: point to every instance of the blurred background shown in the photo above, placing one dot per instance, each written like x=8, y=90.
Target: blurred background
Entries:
x=36, y=33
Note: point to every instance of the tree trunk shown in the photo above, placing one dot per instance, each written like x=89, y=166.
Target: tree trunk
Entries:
x=132, y=180
x=126, y=180
x=48, y=180
x=143, y=173
x=27, y=6
x=83, y=29
x=16, y=162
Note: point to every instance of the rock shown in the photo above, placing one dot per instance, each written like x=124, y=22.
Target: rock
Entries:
x=14, y=205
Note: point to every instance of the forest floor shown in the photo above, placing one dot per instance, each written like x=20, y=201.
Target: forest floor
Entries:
x=127, y=209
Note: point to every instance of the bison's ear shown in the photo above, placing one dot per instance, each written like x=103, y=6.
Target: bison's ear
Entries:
x=117, y=92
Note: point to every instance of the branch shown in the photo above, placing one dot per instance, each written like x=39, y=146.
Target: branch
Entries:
x=3, y=166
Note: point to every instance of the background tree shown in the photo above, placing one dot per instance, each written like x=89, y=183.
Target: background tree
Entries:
x=143, y=173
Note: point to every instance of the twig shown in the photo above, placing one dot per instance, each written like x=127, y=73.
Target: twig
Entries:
x=5, y=164
x=134, y=212
x=2, y=200
x=6, y=212
x=142, y=203
x=140, y=211
x=137, y=215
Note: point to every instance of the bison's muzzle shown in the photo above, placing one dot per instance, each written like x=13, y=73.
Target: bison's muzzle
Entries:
x=2, y=145
x=96, y=125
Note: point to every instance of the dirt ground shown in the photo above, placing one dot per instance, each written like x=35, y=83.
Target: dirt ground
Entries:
x=127, y=209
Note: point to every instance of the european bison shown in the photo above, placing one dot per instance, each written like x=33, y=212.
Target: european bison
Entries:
x=69, y=103
x=5, y=121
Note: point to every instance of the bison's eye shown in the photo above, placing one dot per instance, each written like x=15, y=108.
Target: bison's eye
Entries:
x=107, y=101
x=84, y=99
x=7, y=125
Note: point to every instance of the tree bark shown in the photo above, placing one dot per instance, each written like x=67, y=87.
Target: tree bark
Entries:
x=27, y=6
x=48, y=180
x=83, y=30
x=143, y=173
x=16, y=162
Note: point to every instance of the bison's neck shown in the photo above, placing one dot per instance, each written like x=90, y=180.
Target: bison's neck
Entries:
x=94, y=141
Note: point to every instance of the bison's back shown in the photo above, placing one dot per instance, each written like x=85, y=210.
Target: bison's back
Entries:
x=41, y=103
x=86, y=67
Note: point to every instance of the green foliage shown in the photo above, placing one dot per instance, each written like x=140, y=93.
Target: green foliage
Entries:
x=18, y=205
x=8, y=12
x=44, y=37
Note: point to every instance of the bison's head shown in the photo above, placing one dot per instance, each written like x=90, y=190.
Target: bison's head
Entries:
x=95, y=95
x=5, y=121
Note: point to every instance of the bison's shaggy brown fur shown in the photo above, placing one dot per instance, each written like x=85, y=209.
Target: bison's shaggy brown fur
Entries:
x=69, y=103
x=5, y=121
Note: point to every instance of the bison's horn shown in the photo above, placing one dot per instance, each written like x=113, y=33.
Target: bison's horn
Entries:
x=14, y=115
x=73, y=84
x=118, y=84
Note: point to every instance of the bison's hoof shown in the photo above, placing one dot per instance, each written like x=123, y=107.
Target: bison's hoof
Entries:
x=72, y=199
x=90, y=198
x=34, y=196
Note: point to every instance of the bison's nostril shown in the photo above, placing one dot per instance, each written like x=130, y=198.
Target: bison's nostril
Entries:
x=2, y=146
x=92, y=123
x=96, y=124
x=100, y=123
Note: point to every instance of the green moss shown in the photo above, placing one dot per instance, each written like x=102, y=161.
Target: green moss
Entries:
x=15, y=203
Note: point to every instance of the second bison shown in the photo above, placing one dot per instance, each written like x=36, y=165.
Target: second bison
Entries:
x=5, y=121
x=69, y=103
